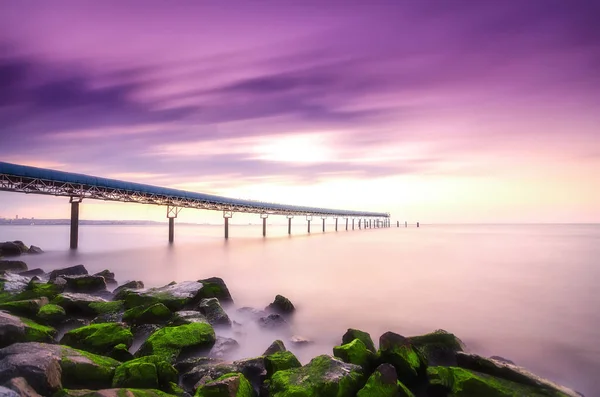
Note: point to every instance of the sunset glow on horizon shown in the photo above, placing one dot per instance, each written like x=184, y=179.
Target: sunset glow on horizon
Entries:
x=438, y=112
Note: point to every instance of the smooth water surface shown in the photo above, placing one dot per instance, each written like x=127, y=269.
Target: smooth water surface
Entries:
x=524, y=292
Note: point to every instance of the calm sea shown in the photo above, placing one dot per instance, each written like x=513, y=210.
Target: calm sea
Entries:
x=528, y=293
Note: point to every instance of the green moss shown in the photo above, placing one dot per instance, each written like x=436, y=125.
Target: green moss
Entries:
x=364, y=337
x=90, y=371
x=225, y=385
x=168, y=342
x=403, y=391
x=35, y=332
x=280, y=361
x=27, y=307
x=323, y=376
x=149, y=372
x=214, y=287
x=460, y=382
x=355, y=352
x=147, y=298
x=409, y=362
x=106, y=307
x=438, y=347
x=51, y=314
x=121, y=353
x=98, y=338
x=153, y=314
x=376, y=387
x=37, y=290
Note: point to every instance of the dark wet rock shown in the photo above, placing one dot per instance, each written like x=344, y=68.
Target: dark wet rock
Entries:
x=6, y=392
x=254, y=370
x=129, y=285
x=171, y=342
x=215, y=287
x=51, y=314
x=502, y=359
x=275, y=347
x=213, y=312
x=121, y=353
x=20, y=387
x=322, y=376
x=78, y=304
x=15, y=329
x=409, y=362
x=229, y=385
x=273, y=321
x=357, y=353
x=153, y=314
x=509, y=372
x=35, y=250
x=438, y=347
x=251, y=313
x=175, y=296
x=207, y=369
x=150, y=372
x=36, y=290
x=33, y=272
x=281, y=305
x=223, y=347
x=10, y=248
x=85, y=283
x=107, y=307
x=78, y=270
x=27, y=307
x=129, y=392
x=280, y=361
x=12, y=266
x=299, y=341
x=109, y=276
x=48, y=368
x=364, y=337
x=98, y=338
x=187, y=317
x=13, y=283
x=382, y=383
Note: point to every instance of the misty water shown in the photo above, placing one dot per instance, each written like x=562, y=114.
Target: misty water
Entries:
x=524, y=292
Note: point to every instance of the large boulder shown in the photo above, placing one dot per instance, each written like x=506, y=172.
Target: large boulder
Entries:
x=281, y=305
x=213, y=312
x=10, y=248
x=229, y=385
x=170, y=342
x=409, y=362
x=110, y=307
x=322, y=376
x=150, y=372
x=98, y=338
x=15, y=329
x=460, y=382
x=20, y=387
x=51, y=314
x=129, y=285
x=510, y=372
x=439, y=347
x=77, y=270
x=280, y=361
x=198, y=371
x=254, y=370
x=35, y=250
x=78, y=304
x=35, y=290
x=153, y=314
x=214, y=287
x=32, y=272
x=13, y=266
x=275, y=347
x=187, y=317
x=223, y=347
x=49, y=368
x=85, y=283
x=174, y=296
x=356, y=353
x=28, y=307
x=13, y=283
x=364, y=337
x=384, y=383
x=109, y=276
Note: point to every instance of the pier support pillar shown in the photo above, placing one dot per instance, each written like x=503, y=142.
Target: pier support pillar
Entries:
x=74, y=221
x=353, y=223
x=347, y=223
x=308, y=219
x=405, y=224
x=336, y=223
x=172, y=213
x=264, y=219
x=370, y=223
x=359, y=222
x=290, y=224
x=323, y=225
x=226, y=216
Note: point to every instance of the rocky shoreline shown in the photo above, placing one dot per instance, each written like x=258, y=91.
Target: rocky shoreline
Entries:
x=71, y=333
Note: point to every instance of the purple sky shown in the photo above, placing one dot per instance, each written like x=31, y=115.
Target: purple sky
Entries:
x=432, y=110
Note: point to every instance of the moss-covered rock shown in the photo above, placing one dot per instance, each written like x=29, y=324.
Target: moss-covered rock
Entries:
x=85, y=283
x=281, y=305
x=129, y=285
x=213, y=312
x=28, y=307
x=12, y=266
x=15, y=329
x=76, y=270
x=85, y=369
x=98, y=338
x=364, y=337
x=14, y=284
x=51, y=314
x=36, y=290
x=459, y=382
x=149, y=372
x=229, y=385
x=153, y=314
x=276, y=346
x=112, y=393
x=280, y=361
x=78, y=304
x=357, y=353
x=384, y=383
x=439, y=347
x=187, y=317
x=409, y=362
x=174, y=296
x=121, y=353
x=170, y=342
x=111, y=307
x=214, y=287
x=324, y=376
